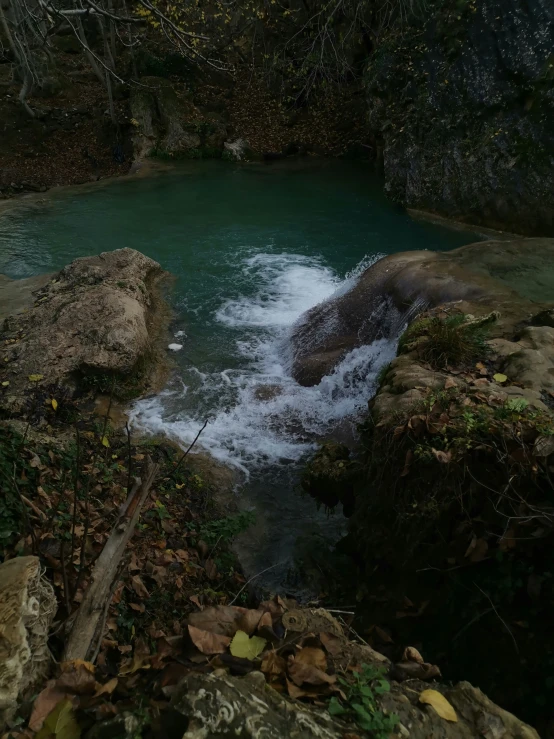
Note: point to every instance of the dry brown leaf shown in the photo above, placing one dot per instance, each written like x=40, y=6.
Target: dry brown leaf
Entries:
x=220, y=619
x=45, y=703
x=312, y=656
x=106, y=689
x=77, y=677
x=306, y=692
x=450, y=383
x=301, y=673
x=273, y=665
x=139, y=587
x=443, y=457
x=249, y=621
x=411, y=654
x=333, y=644
x=208, y=642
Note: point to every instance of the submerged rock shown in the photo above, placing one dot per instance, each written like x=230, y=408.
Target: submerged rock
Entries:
x=94, y=319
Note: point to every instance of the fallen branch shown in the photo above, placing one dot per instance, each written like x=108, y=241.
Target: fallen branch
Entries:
x=79, y=643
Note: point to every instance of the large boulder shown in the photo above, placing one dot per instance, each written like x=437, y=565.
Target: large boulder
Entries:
x=93, y=318
x=507, y=276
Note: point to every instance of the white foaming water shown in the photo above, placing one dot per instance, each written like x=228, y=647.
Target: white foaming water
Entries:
x=258, y=414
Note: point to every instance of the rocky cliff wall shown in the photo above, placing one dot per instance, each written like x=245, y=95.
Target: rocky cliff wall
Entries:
x=462, y=103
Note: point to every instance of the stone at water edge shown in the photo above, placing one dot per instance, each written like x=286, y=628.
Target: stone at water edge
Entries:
x=175, y=347
x=96, y=316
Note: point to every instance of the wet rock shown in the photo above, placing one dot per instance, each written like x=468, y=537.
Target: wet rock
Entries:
x=27, y=608
x=327, y=476
x=482, y=277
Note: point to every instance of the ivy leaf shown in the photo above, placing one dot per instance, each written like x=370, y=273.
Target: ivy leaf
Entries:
x=246, y=647
x=499, y=377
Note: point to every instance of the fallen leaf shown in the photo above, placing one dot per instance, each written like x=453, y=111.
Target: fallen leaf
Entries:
x=45, y=703
x=218, y=619
x=450, y=383
x=139, y=587
x=60, y=723
x=297, y=692
x=247, y=647
x=499, y=377
x=105, y=441
x=333, y=644
x=106, y=689
x=411, y=654
x=312, y=656
x=273, y=665
x=35, y=378
x=54, y=403
x=443, y=457
x=5, y=383
x=301, y=673
x=208, y=642
x=77, y=677
x=439, y=703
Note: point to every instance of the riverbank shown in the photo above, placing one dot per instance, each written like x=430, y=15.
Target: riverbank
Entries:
x=135, y=541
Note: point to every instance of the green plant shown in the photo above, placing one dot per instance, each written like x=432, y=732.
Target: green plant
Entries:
x=361, y=702
x=226, y=529
x=453, y=341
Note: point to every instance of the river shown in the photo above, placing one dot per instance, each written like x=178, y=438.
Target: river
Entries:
x=252, y=248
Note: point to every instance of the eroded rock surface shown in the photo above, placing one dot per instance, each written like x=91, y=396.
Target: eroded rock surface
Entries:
x=94, y=316
x=222, y=705
x=27, y=607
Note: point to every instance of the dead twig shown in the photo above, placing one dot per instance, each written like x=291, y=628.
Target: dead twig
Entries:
x=105, y=570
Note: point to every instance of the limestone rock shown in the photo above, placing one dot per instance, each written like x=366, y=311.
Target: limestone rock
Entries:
x=27, y=607
x=94, y=316
x=219, y=705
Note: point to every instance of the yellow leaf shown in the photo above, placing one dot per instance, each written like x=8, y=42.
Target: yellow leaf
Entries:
x=54, y=404
x=60, y=723
x=35, y=378
x=5, y=383
x=105, y=441
x=499, y=377
x=246, y=647
x=179, y=486
x=439, y=703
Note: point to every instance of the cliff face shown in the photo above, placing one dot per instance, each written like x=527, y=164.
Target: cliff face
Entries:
x=463, y=105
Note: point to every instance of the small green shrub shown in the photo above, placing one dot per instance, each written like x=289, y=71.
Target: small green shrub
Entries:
x=226, y=529
x=361, y=702
x=446, y=341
